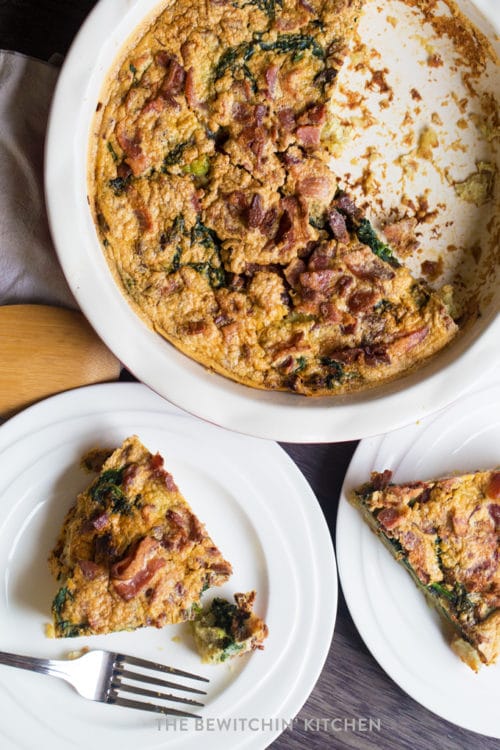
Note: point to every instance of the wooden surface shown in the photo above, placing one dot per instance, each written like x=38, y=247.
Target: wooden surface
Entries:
x=46, y=350
x=352, y=685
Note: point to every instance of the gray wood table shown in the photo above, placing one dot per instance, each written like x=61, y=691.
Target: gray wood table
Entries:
x=354, y=703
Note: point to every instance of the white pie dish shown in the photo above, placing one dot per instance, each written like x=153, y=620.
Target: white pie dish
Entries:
x=274, y=415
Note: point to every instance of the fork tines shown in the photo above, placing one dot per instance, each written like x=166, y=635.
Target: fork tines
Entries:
x=148, y=682
x=124, y=659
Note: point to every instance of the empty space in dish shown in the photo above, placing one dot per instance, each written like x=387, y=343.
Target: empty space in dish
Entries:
x=417, y=131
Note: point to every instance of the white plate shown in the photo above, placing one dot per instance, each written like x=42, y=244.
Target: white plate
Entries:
x=259, y=510
x=403, y=633
x=279, y=416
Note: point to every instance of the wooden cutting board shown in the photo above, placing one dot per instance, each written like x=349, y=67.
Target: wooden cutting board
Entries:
x=45, y=350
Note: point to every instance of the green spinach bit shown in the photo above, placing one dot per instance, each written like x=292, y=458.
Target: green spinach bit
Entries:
x=113, y=153
x=119, y=184
x=457, y=595
x=174, y=156
x=367, y=235
x=60, y=601
x=266, y=6
x=294, y=43
x=335, y=371
x=106, y=489
x=215, y=274
x=301, y=363
x=235, y=58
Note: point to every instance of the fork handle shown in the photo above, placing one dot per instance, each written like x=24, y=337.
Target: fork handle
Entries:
x=43, y=666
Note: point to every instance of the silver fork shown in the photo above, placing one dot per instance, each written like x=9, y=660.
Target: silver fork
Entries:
x=104, y=676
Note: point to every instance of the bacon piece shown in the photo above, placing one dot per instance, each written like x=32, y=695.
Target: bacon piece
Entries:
x=363, y=299
x=347, y=356
x=321, y=257
x=134, y=156
x=243, y=112
x=185, y=529
x=342, y=285
x=379, y=480
x=268, y=225
x=173, y=83
x=293, y=224
x=131, y=574
x=141, y=211
x=89, y=569
x=315, y=115
x=389, y=517
x=410, y=340
x=345, y=205
x=260, y=111
x=309, y=135
x=329, y=312
x=128, y=475
x=401, y=234
x=493, y=488
x=295, y=345
x=293, y=271
x=338, y=226
x=494, y=511
x=100, y=521
x=318, y=280
x=375, y=355
x=286, y=117
x=256, y=211
x=221, y=568
x=189, y=91
x=156, y=465
x=365, y=265
x=271, y=76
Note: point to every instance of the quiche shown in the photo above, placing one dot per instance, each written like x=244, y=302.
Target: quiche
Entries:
x=131, y=552
x=221, y=218
x=446, y=532
x=224, y=630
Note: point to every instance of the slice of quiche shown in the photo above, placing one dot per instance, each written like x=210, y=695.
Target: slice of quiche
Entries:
x=131, y=551
x=224, y=630
x=446, y=533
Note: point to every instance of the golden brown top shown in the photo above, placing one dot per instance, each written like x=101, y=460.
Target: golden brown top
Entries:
x=219, y=213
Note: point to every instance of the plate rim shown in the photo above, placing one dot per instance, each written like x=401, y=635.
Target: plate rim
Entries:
x=349, y=517
x=126, y=397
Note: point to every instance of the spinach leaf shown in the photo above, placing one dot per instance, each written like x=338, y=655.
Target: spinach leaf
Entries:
x=106, y=489
x=266, y=6
x=60, y=600
x=294, y=43
x=367, y=235
x=335, y=370
x=174, y=156
x=119, y=184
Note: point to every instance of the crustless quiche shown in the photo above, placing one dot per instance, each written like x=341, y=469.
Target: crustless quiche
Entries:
x=447, y=534
x=220, y=217
x=131, y=552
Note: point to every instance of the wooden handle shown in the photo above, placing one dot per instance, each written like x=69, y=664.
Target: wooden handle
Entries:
x=45, y=350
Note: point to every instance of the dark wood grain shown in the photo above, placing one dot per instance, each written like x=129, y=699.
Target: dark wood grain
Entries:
x=352, y=690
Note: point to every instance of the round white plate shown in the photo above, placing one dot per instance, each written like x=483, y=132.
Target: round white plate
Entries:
x=403, y=633
x=278, y=416
x=259, y=510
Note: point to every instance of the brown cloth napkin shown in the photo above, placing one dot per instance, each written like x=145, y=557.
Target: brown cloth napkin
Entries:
x=29, y=269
